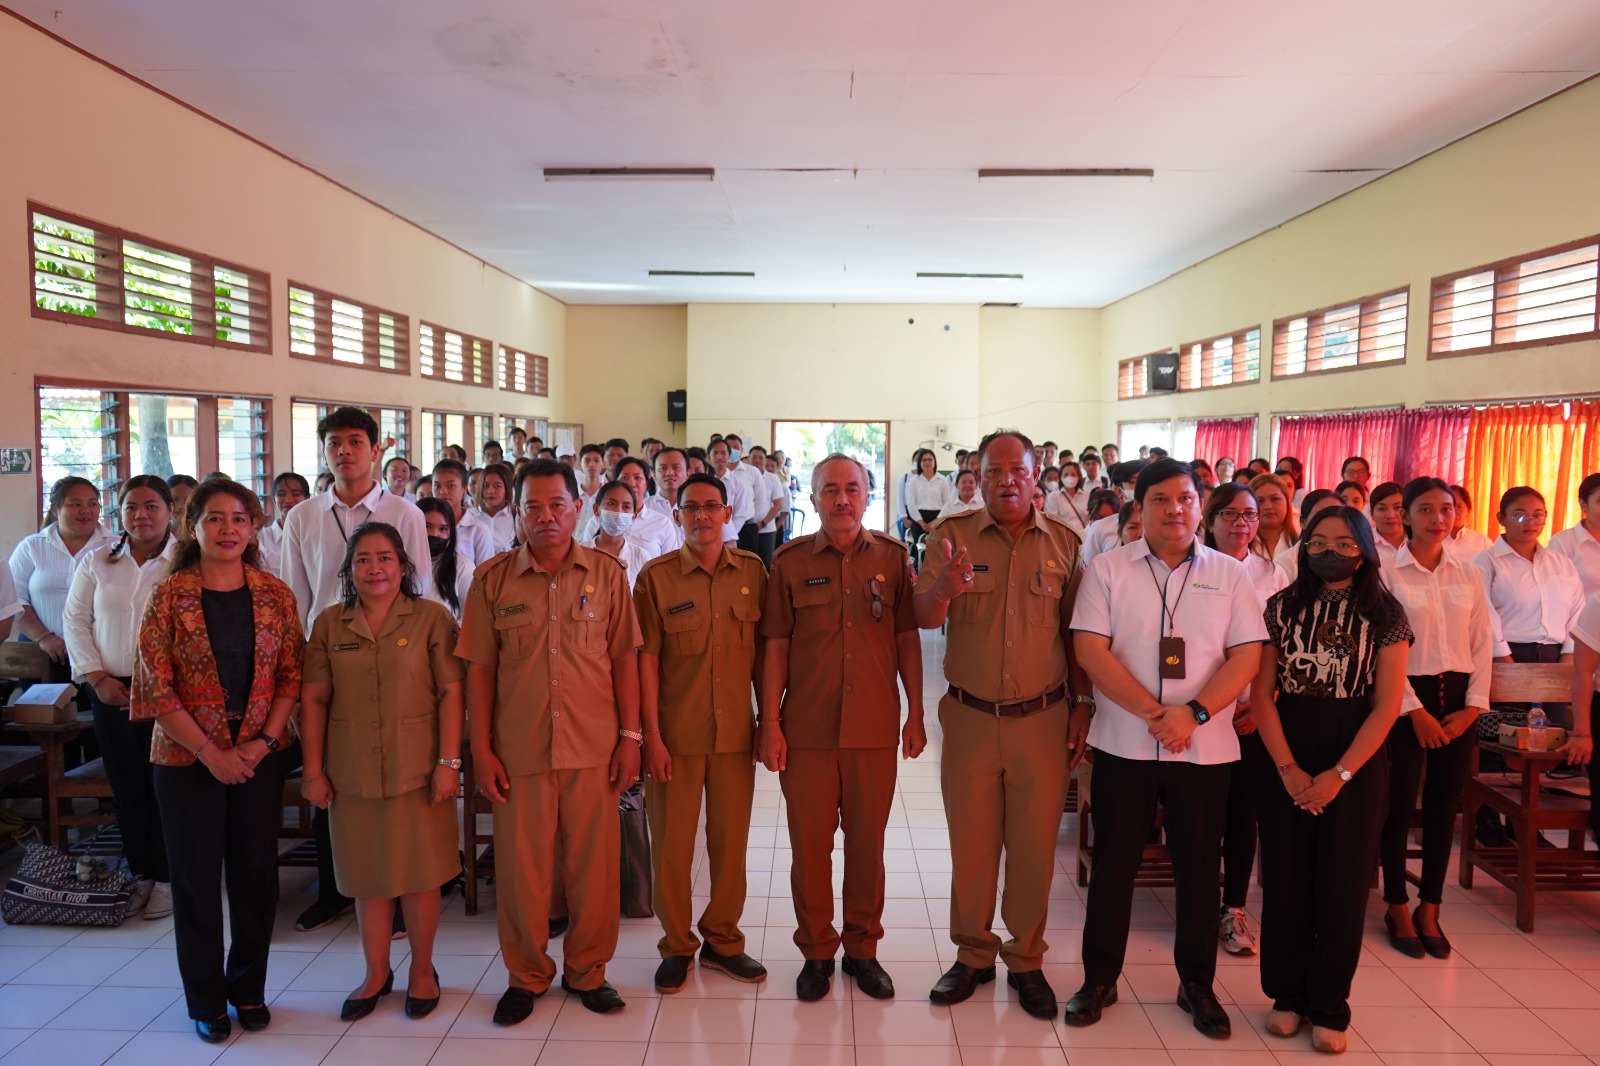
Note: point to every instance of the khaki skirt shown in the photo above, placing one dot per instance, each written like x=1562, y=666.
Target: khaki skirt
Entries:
x=383, y=848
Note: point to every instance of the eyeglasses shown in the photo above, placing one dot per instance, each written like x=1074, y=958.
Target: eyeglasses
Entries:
x=1536, y=518
x=694, y=510
x=1347, y=548
x=1231, y=516
x=877, y=599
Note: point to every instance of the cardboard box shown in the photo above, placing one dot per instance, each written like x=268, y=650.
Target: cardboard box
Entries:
x=45, y=705
x=1516, y=736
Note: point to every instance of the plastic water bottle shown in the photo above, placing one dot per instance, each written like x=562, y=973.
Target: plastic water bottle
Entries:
x=1536, y=726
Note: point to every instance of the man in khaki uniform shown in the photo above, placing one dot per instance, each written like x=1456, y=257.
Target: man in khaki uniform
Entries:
x=1005, y=578
x=698, y=608
x=839, y=628
x=549, y=636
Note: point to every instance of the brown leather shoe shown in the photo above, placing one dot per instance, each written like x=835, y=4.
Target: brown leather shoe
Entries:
x=959, y=982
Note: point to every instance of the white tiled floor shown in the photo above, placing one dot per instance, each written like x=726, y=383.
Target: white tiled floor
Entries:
x=98, y=996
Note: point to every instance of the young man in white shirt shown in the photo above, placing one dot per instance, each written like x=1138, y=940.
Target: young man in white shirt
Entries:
x=672, y=466
x=591, y=478
x=771, y=501
x=1170, y=633
x=740, y=501
x=750, y=532
x=654, y=533
x=315, y=535
x=473, y=538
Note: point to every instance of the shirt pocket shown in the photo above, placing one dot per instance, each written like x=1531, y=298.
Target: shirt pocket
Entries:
x=977, y=603
x=419, y=748
x=590, y=618
x=746, y=615
x=1044, y=601
x=514, y=634
x=686, y=633
x=815, y=610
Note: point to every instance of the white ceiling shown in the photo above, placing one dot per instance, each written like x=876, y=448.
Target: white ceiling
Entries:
x=1250, y=112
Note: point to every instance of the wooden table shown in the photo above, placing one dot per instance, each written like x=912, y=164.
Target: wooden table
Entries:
x=58, y=792
x=1525, y=868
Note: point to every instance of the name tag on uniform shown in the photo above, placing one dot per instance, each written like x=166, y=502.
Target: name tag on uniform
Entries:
x=515, y=608
x=810, y=581
x=680, y=608
x=356, y=646
x=980, y=568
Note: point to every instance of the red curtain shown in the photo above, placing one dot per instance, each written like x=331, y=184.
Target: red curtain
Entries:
x=1433, y=443
x=1231, y=437
x=1324, y=442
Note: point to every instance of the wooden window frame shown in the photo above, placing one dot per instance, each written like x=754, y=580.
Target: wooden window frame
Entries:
x=476, y=372
x=433, y=426
x=1136, y=371
x=376, y=410
x=372, y=325
x=1366, y=306
x=1240, y=339
x=536, y=372
x=1501, y=269
x=112, y=314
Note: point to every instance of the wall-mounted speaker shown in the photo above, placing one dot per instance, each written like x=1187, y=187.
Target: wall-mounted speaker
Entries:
x=1163, y=369
x=678, y=404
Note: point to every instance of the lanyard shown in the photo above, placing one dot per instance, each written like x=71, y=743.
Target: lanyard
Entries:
x=333, y=509
x=1171, y=617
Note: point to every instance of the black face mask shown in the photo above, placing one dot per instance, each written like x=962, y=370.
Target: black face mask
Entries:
x=1330, y=566
x=437, y=546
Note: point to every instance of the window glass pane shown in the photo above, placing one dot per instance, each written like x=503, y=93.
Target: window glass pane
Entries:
x=77, y=428
x=157, y=288
x=234, y=295
x=64, y=275
x=161, y=435
x=242, y=442
x=306, y=452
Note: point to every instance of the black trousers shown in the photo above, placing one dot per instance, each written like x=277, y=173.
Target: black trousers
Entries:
x=749, y=537
x=1194, y=799
x=218, y=833
x=125, y=748
x=766, y=545
x=1315, y=869
x=1448, y=770
x=1239, y=838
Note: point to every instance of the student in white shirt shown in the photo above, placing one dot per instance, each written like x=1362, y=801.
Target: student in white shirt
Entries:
x=740, y=505
x=655, y=533
x=1170, y=633
x=1352, y=494
x=1130, y=524
x=1465, y=542
x=1092, y=477
x=967, y=497
x=1071, y=500
x=615, y=506
x=397, y=477
x=1105, y=505
x=1357, y=470
x=42, y=563
x=315, y=535
x=1579, y=748
x=1447, y=689
x=1535, y=592
x=494, y=507
x=1580, y=543
x=289, y=490
x=1279, y=527
x=755, y=492
x=786, y=506
x=771, y=501
x=472, y=535
x=451, y=569
x=1292, y=470
x=101, y=626
x=1224, y=469
x=591, y=473
x=1314, y=501
x=1387, y=507
x=671, y=467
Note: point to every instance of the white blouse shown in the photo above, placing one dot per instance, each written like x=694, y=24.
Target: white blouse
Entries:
x=1583, y=549
x=463, y=586
x=42, y=569
x=1538, y=601
x=104, y=605
x=1451, y=619
x=927, y=493
x=633, y=557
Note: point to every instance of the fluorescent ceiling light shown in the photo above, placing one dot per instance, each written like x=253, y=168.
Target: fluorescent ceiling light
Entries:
x=1067, y=172
x=629, y=173
x=702, y=273
x=969, y=277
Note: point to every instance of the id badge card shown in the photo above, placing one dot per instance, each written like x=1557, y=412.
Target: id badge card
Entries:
x=1173, y=663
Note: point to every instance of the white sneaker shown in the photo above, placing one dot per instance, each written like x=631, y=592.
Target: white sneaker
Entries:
x=160, y=904
x=141, y=896
x=1235, y=933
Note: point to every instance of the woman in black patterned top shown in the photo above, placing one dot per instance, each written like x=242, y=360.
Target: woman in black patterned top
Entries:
x=1331, y=680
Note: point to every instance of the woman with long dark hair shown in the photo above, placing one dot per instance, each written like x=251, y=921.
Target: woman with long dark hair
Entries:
x=926, y=493
x=1325, y=700
x=1447, y=689
x=452, y=570
x=42, y=564
x=1280, y=525
x=1387, y=507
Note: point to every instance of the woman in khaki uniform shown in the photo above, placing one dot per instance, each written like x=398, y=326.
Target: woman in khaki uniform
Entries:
x=381, y=717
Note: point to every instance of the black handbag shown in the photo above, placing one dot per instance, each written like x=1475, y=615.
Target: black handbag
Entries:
x=45, y=890
x=637, y=878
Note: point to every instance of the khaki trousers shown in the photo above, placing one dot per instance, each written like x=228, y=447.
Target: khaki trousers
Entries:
x=578, y=809
x=825, y=788
x=728, y=782
x=1004, y=782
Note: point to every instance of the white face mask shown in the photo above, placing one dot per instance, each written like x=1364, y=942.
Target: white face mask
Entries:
x=1069, y=482
x=1051, y=485
x=733, y=455
x=615, y=523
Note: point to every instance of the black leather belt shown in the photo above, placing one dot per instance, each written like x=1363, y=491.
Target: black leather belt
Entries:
x=1010, y=710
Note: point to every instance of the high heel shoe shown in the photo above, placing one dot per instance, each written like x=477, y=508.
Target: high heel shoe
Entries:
x=1437, y=946
x=421, y=1008
x=1405, y=945
x=357, y=1008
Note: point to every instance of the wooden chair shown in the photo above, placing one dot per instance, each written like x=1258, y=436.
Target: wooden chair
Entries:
x=475, y=864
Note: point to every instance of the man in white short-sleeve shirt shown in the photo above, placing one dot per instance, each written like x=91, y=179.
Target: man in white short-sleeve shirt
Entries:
x=1170, y=633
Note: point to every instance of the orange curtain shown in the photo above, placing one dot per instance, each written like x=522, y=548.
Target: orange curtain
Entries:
x=1551, y=447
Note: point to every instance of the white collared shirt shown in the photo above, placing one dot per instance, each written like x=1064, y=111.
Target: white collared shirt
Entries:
x=473, y=537
x=314, y=539
x=738, y=502
x=42, y=569
x=755, y=490
x=463, y=586
x=502, y=527
x=1587, y=629
x=633, y=558
x=955, y=506
x=774, y=492
x=1582, y=548
x=10, y=605
x=1537, y=601
x=927, y=494
x=1451, y=619
x=1266, y=576
x=104, y=605
x=1121, y=598
x=655, y=534
x=1469, y=543
x=1101, y=536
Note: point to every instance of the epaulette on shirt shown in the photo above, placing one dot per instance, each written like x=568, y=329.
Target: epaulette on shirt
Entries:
x=941, y=520
x=878, y=534
x=805, y=538
x=741, y=553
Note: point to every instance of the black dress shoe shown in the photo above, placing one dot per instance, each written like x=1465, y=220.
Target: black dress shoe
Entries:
x=1405, y=945
x=515, y=1005
x=558, y=926
x=397, y=924
x=318, y=915
x=959, y=982
x=815, y=978
x=417, y=1007
x=1437, y=946
x=1201, y=1004
x=355, y=1009
x=215, y=1031
x=254, y=1019
x=673, y=973
x=1033, y=992
x=602, y=1000
x=870, y=977
x=740, y=967
x=1088, y=1002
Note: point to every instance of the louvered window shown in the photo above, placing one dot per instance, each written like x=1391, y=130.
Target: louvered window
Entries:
x=446, y=355
x=1231, y=359
x=331, y=329
x=1543, y=298
x=1133, y=378
x=519, y=372
x=1343, y=337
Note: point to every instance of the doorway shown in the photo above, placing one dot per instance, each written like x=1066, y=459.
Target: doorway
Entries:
x=808, y=443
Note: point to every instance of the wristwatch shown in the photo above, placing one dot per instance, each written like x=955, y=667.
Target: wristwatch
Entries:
x=454, y=764
x=1344, y=775
x=631, y=735
x=270, y=741
x=1201, y=715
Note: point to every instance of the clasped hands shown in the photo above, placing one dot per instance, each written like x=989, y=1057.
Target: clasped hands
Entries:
x=1172, y=725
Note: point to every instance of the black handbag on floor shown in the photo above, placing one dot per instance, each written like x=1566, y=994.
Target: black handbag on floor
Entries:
x=637, y=880
x=45, y=890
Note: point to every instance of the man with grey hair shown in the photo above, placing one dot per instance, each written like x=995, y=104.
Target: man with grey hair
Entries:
x=839, y=629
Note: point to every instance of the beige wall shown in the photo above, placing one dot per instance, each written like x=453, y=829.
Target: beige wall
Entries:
x=161, y=170
x=623, y=362
x=1040, y=371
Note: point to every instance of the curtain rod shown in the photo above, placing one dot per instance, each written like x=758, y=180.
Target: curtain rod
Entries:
x=1518, y=401
x=1340, y=411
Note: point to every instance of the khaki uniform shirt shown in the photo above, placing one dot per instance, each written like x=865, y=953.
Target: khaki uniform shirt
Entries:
x=843, y=662
x=551, y=639
x=702, y=626
x=383, y=718
x=1007, y=632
